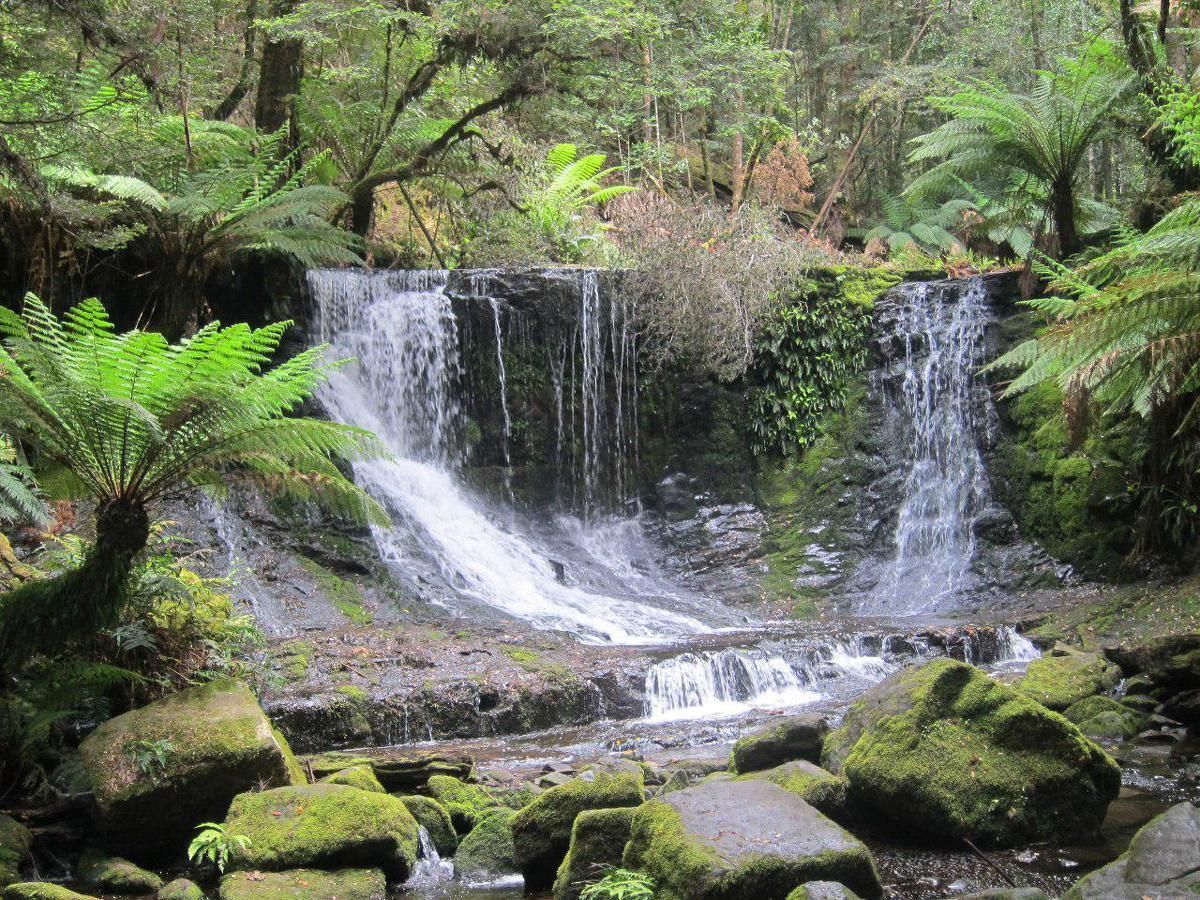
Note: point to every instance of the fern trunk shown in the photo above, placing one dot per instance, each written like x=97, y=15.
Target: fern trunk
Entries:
x=1064, y=220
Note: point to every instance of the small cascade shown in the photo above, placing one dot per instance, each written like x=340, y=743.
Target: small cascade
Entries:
x=946, y=486
x=724, y=683
x=1014, y=647
x=502, y=377
x=430, y=868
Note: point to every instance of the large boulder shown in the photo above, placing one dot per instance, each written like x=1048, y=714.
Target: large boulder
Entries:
x=398, y=772
x=796, y=737
x=181, y=889
x=815, y=786
x=305, y=884
x=1163, y=860
x=1102, y=717
x=487, y=852
x=598, y=840
x=15, y=841
x=215, y=742
x=1171, y=662
x=1058, y=682
x=944, y=750
x=742, y=838
x=361, y=777
x=434, y=818
x=113, y=875
x=542, y=830
x=323, y=826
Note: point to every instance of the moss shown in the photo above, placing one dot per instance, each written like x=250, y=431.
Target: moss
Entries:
x=1104, y=717
x=434, y=818
x=526, y=659
x=466, y=803
x=1061, y=681
x=805, y=609
x=598, y=840
x=325, y=826
x=542, y=830
x=15, y=841
x=822, y=790
x=361, y=777
x=31, y=890
x=293, y=659
x=302, y=884
x=945, y=749
x=181, y=889
x=659, y=845
x=488, y=850
x=823, y=890
x=113, y=875
x=343, y=594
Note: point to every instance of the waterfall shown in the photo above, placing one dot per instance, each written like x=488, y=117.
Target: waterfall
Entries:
x=401, y=330
x=430, y=867
x=722, y=683
x=1011, y=646
x=946, y=484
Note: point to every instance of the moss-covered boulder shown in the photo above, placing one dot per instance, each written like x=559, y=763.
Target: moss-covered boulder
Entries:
x=542, y=830
x=1058, y=682
x=1102, y=717
x=41, y=890
x=305, y=884
x=742, y=838
x=434, y=818
x=361, y=777
x=817, y=787
x=598, y=840
x=487, y=852
x=216, y=743
x=796, y=737
x=15, y=841
x=112, y=875
x=323, y=826
x=398, y=772
x=181, y=889
x=942, y=749
x=466, y=803
x=1163, y=860
x=822, y=890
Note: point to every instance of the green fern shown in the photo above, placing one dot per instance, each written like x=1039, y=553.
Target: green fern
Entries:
x=909, y=222
x=572, y=184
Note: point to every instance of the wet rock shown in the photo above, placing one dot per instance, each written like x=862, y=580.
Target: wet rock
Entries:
x=41, y=890
x=181, y=889
x=822, y=790
x=1060, y=681
x=305, y=884
x=598, y=840
x=15, y=841
x=542, y=830
x=466, y=803
x=487, y=852
x=1184, y=706
x=944, y=750
x=434, y=818
x=1172, y=661
x=361, y=777
x=822, y=890
x=1103, y=717
x=113, y=875
x=796, y=737
x=1006, y=894
x=216, y=742
x=742, y=838
x=1163, y=860
x=324, y=826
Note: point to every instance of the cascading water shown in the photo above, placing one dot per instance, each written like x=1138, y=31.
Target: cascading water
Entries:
x=723, y=683
x=401, y=329
x=946, y=486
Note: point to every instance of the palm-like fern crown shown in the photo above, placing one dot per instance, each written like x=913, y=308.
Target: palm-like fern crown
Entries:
x=575, y=182
x=136, y=418
x=908, y=221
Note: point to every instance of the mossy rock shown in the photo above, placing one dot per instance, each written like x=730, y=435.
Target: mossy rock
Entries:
x=1162, y=861
x=41, y=890
x=943, y=750
x=323, y=826
x=1058, y=682
x=542, y=830
x=112, y=875
x=822, y=890
x=1104, y=717
x=466, y=803
x=740, y=839
x=487, y=852
x=820, y=789
x=15, y=841
x=598, y=840
x=305, y=884
x=361, y=777
x=219, y=744
x=796, y=737
x=403, y=773
x=181, y=889
x=432, y=816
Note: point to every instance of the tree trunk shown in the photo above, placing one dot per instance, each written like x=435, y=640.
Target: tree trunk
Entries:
x=279, y=82
x=1064, y=220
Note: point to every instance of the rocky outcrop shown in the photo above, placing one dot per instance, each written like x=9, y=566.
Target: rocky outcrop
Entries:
x=945, y=751
x=323, y=826
x=796, y=737
x=742, y=838
x=305, y=884
x=598, y=840
x=822, y=890
x=487, y=852
x=113, y=875
x=1163, y=860
x=161, y=770
x=15, y=841
x=1061, y=680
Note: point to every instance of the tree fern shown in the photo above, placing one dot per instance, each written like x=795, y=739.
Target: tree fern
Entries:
x=137, y=419
x=909, y=222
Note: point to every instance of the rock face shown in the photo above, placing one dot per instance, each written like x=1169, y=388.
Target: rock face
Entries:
x=944, y=750
x=1163, y=860
x=113, y=875
x=217, y=744
x=15, y=841
x=487, y=852
x=542, y=830
x=598, y=840
x=1058, y=682
x=323, y=826
x=432, y=816
x=796, y=737
x=305, y=884
x=729, y=839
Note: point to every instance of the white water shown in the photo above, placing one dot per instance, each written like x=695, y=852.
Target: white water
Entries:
x=724, y=683
x=946, y=486
x=430, y=868
x=1013, y=647
x=401, y=330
